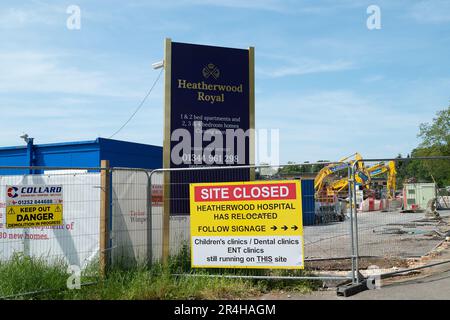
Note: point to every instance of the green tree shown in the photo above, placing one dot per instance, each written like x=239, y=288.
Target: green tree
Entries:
x=402, y=171
x=305, y=167
x=437, y=134
x=435, y=142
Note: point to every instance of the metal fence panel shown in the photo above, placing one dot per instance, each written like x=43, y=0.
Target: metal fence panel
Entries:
x=400, y=225
x=129, y=212
x=76, y=242
x=327, y=227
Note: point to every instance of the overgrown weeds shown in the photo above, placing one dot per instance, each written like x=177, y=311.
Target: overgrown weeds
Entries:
x=33, y=278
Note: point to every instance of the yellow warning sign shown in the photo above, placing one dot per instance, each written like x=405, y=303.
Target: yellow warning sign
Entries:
x=247, y=224
x=34, y=216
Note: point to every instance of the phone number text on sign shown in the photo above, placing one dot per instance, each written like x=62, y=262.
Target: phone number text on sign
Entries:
x=255, y=224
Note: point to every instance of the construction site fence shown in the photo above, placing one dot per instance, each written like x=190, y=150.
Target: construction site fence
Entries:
x=327, y=233
x=116, y=216
x=401, y=223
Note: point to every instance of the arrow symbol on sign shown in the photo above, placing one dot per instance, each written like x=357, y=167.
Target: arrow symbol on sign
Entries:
x=274, y=228
x=294, y=227
x=284, y=228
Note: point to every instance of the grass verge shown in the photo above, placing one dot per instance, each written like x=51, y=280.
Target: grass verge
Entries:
x=32, y=278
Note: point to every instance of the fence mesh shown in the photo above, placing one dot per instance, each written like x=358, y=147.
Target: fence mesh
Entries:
x=130, y=228
x=397, y=209
x=326, y=217
x=407, y=219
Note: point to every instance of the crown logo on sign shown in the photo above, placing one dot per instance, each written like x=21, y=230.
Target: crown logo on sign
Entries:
x=211, y=71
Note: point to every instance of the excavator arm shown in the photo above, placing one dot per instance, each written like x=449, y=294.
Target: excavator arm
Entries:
x=328, y=181
x=389, y=169
x=392, y=180
x=324, y=179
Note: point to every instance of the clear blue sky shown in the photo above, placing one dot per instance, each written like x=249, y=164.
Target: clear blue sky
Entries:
x=330, y=85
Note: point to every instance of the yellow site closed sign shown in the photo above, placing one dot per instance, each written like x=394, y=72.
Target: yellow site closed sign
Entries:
x=34, y=205
x=255, y=224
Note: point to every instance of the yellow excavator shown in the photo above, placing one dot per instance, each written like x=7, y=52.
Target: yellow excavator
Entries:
x=328, y=182
x=389, y=169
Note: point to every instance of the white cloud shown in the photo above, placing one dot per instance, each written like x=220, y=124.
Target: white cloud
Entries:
x=305, y=66
x=266, y=5
x=279, y=6
x=436, y=11
x=57, y=96
x=56, y=119
x=270, y=5
x=14, y=17
x=41, y=72
x=19, y=17
x=333, y=124
x=373, y=78
x=40, y=14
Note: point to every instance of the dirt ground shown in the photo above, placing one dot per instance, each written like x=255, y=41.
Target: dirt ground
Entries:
x=431, y=233
x=394, y=235
x=345, y=264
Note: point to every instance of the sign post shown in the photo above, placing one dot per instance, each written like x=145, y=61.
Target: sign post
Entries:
x=255, y=224
x=208, y=120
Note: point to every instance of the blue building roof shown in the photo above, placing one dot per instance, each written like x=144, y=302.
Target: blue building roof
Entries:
x=82, y=154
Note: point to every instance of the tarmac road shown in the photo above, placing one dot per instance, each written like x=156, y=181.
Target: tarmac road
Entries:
x=433, y=287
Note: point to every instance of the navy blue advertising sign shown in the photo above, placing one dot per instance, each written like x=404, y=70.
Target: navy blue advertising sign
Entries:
x=209, y=116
